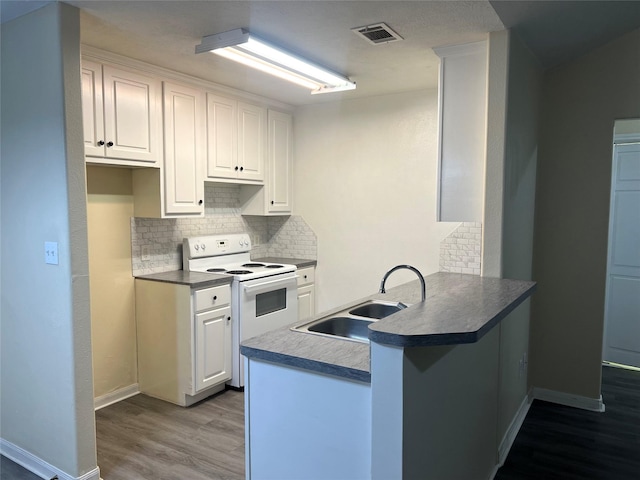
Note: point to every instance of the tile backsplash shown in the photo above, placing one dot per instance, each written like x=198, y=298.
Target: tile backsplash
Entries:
x=461, y=252
x=280, y=236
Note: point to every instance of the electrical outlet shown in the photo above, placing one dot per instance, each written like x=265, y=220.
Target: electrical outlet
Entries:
x=145, y=253
x=51, y=253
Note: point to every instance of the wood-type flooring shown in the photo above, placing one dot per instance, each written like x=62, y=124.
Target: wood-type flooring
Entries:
x=142, y=438
x=564, y=443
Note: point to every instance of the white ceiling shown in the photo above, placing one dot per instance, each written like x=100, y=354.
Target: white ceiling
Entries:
x=165, y=33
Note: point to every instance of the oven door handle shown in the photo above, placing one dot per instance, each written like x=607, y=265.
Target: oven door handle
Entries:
x=269, y=286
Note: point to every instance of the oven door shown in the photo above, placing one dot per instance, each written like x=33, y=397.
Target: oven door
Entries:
x=264, y=304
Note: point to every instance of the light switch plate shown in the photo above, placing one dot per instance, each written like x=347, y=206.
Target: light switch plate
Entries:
x=51, y=253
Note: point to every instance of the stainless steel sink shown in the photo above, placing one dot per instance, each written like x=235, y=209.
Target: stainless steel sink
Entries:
x=347, y=327
x=351, y=323
x=377, y=309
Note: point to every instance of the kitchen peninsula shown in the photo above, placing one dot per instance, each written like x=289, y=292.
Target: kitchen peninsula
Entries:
x=419, y=401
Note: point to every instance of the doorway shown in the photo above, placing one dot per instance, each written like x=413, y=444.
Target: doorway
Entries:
x=622, y=301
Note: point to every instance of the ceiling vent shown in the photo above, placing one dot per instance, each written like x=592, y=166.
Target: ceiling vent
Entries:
x=377, y=33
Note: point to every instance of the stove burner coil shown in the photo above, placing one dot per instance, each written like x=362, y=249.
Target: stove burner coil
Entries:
x=253, y=265
x=274, y=266
x=238, y=272
x=216, y=270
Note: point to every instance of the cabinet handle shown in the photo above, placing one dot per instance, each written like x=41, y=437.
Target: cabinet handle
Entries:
x=305, y=277
x=200, y=202
x=215, y=297
x=109, y=144
x=100, y=143
x=272, y=202
x=228, y=319
x=241, y=169
x=237, y=168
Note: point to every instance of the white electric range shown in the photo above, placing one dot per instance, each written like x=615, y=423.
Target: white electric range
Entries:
x=264, y=296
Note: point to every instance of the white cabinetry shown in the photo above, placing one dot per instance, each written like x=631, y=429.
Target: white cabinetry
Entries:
x=306, y=293
x=462, y=141
x=121, y=115
x=183, y=339
x=236, y=133
x=213, y=337
x=184, y=149
x=276, y=196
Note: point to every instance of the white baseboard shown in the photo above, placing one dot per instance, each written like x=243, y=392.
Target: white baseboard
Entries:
x=39, y=467
x=569, y=400
x=117, y=396
x=512, y=431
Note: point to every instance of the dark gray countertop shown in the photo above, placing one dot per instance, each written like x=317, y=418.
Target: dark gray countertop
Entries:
x=203, y=280
x=459, y=309
x=193, y=279
x=298, y=262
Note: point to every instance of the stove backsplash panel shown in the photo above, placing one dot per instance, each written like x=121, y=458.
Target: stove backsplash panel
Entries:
x=161, y=239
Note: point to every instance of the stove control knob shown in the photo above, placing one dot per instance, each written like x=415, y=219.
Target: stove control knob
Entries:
x=197, y=247
x=203, y=247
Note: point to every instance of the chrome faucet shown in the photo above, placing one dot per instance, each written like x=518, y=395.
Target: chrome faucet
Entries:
x=408, y=267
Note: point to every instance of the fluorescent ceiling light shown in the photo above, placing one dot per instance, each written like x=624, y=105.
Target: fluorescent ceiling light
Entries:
x=240, y=46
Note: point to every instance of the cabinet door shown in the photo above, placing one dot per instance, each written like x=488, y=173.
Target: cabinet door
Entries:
x=184, y=119
x=280, y=159
x=92, y=109
x=132, y=119
x=213, y=348
x=306, y=302
x=251, y=141
x=222, y=141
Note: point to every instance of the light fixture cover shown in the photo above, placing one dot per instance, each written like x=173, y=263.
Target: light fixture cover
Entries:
x=241, y=46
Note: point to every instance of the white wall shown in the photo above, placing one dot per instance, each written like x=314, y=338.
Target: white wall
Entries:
x=520, y=163
x=365, y=182
x=581, y=101
x=46, y=381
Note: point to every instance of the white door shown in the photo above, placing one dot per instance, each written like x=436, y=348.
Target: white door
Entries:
x=132, y=116
x=184, y=119
x=213, y=347
x=92, y=109
x=622, y=304
x=252, y=122
x=222, y=142
x=280, y=160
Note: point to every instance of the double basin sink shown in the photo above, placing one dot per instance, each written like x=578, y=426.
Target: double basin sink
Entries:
x=352, y=323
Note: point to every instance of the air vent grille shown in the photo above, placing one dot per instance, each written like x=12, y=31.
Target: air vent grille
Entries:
x=377, y=34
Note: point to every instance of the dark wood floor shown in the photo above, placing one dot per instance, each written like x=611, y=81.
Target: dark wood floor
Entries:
x=10, y=470
x=557, y=442
x=146, y=439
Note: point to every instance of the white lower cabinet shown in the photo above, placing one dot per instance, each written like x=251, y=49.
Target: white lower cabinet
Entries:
x=183, y=340
x=213, y=347
x=306, y=293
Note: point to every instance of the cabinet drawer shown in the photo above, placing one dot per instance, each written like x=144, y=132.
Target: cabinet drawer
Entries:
x=306, y=275
x=212, y=297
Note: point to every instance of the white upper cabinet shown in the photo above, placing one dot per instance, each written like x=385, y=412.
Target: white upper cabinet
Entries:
x=280, y=162
x=236, y=134
x=222, y=137
x=121, y=114
x=251, y=141
x=184, y=149
x=276, y=196
x=462, y=141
